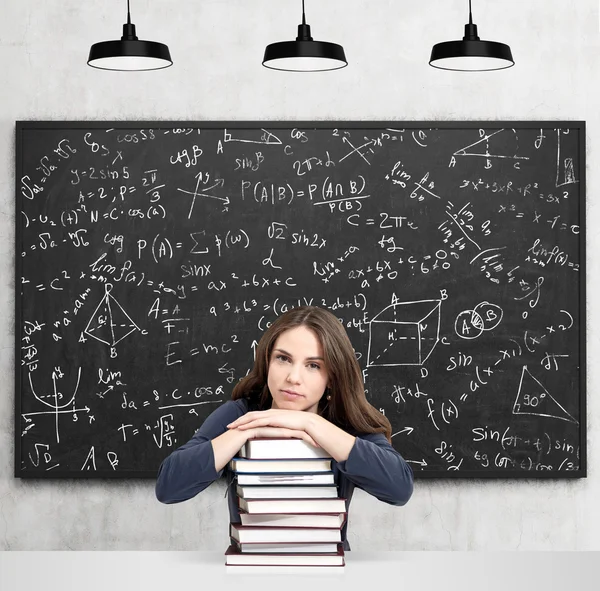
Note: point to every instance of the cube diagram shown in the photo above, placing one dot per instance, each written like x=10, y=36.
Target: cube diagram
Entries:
x=404, y=333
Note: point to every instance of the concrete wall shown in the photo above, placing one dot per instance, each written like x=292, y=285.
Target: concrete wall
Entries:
x=217, y=48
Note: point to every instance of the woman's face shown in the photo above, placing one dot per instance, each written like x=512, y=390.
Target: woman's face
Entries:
x=297, y=374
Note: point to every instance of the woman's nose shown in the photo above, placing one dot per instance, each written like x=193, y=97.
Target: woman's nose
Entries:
x=294, y=375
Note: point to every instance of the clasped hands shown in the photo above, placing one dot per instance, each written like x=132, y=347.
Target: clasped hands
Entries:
x=275, y=423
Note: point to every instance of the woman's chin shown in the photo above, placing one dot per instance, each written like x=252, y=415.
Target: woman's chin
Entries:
x=287, y=404
x=297, y=404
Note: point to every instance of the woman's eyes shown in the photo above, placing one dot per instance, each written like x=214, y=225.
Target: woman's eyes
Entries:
x=285, y=359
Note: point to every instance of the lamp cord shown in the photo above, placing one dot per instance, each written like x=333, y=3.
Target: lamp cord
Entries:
x=470, y=15
x=303, y=17
x=129, y=17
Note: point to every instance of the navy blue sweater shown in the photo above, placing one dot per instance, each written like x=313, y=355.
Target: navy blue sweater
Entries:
x=373, y=465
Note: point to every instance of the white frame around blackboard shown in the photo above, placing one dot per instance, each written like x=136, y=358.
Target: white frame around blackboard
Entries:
x=415, y=126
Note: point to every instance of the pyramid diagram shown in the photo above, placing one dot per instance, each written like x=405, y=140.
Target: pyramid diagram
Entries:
x=109, y=323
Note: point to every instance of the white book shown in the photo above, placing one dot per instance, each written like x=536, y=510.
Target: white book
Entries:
x=286, y=492
x=321, y=478
x=293, y=520
x=234, y=557
x=287, y=548
x=263, y=448
x=292, y=505
x=279, y=466
x=234, y=570
x=288, y=535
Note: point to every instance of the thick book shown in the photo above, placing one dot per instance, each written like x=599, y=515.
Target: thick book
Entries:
x=233, y=557
x=237, y=570
x=280, y=466
x=292, y=505
x=293, y=520
x=284, y=548
x=311, y=491
x=316, y=478
x=249, y=534
x=264, y=448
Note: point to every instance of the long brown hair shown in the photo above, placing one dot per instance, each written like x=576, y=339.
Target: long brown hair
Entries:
x=348, y=408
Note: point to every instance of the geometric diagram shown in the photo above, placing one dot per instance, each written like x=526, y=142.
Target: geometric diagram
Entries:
x=110, y=324
x=565, y=171
x=267, y=138
x=534, y=399
x=404, y=333
x=470, y=324
x=56, y=396
x=466, y=151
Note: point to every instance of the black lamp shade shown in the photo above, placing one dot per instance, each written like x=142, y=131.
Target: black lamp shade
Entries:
x=127, y=55
x=304, y=56
x=471, y=55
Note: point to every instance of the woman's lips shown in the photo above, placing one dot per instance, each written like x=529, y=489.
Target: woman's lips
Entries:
x=291, y=395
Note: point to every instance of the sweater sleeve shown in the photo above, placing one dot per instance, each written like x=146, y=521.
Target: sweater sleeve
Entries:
x=191, y=468
x=376, y=467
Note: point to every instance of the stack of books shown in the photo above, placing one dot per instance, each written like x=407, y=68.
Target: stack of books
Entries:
x=290, y=511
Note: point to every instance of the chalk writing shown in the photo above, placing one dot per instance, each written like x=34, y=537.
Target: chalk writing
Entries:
x=151, y=260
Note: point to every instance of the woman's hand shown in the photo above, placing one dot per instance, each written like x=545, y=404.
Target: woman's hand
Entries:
x=296, y=420
x=279, y=432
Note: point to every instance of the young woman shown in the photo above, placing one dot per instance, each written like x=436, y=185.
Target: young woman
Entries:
x=306, y=383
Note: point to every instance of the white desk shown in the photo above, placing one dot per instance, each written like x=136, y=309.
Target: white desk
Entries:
x=199, y=571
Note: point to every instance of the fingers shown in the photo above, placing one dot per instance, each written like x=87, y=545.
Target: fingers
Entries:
x=309, y=439
x=258, y=420
x=305, y=436
x=253, y=424
x=245, y=419
x=235, y=424
x=285, y=419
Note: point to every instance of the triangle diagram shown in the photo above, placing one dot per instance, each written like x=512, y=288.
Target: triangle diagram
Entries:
x=534, y=399
x=475, y=149
x=266, y=137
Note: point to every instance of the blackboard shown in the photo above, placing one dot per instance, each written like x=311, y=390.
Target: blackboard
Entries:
x=151, y=256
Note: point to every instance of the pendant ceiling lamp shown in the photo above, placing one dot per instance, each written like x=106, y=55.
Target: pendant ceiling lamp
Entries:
x=304, y=54
x=129, y=53
x=471, y=54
